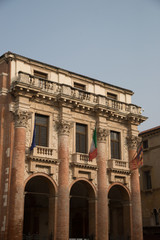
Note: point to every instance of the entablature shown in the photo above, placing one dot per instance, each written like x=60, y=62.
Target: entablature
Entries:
x=53, y=93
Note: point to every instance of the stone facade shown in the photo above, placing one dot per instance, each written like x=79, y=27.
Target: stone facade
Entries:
x=150, y=183
x=54, y=191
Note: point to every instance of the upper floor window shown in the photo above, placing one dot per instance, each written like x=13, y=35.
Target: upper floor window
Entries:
x=145, y=144
x=41, y=137
x=112, y=96
x=115, y=145
x=81, y=138
x=39, y=74
x=147, y=180
x=156, y=216
x=79, y=86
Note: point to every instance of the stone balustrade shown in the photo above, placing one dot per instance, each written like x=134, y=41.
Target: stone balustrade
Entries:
x=118, y=164
x=82, y=158
x=44, y=152
x=67, y=91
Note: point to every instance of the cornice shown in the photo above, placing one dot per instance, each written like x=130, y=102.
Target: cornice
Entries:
x=52, y=93
x=84, y=166
x=44, y=160
x=64, y=71
x=120, y=171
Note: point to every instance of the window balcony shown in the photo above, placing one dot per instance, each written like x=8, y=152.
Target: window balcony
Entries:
x=82, y=158
x=118, y=164
x=44, y=153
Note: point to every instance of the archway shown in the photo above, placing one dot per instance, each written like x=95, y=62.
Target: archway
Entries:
x=119, y=213
x=39, y=209
x=82, y=211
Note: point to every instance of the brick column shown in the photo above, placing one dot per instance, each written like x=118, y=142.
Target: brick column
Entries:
x=15, y=224
x=136, y=228
x=102, y=204
x=63, y=182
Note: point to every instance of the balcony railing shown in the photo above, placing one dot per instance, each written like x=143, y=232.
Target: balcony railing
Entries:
x=82, y=158
x=118, y=164
x=44, y=152
x=55, y=89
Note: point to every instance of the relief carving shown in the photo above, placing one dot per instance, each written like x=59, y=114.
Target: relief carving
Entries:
x=21, y=118
x=102, y=134
x=133, y=141
x=28, y=133
x=64, y=127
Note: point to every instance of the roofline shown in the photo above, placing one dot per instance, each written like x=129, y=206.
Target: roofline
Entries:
x=6, y=55
x=150, y=131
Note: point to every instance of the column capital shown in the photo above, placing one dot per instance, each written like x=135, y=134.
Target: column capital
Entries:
x=102, y=134
x=133, y=141
x=21, y=118
x=64, y=127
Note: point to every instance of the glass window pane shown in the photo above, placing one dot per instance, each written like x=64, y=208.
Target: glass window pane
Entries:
x=81, y=141
x=115, y=145
x=77, y=143
x=41, y=130
x=43, y=138
x=37, y=135
x=83, y=144
x=81, y=128
x=42, y=120
x=112, y=150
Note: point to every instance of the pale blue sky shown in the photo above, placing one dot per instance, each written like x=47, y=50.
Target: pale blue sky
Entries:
x=115, y=41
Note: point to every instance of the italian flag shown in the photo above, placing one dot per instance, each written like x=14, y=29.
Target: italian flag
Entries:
x=93, y=149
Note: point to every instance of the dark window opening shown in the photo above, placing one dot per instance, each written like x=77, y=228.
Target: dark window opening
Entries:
x=112, y=96
x=115, y=145
x=40, y=75
x=147, y=176
x=156, y=216
x=81, y=138
x=145, y=144
x=41, y=138
x=80, y=86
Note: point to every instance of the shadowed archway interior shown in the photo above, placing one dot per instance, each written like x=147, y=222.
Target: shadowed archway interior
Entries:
x=119, y=213
x=82, y=211
x=39, y=209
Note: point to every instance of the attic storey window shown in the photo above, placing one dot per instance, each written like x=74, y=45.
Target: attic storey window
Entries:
x=112, y=96
x=39, y=74
x=41, y=130
x=79, y=86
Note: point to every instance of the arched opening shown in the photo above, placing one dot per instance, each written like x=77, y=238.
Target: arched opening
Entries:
x=82, y=211
x=39, y=209
x=119, y=213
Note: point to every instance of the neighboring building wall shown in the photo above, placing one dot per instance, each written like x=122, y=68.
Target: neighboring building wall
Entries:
x=69, y=106
x=6, y=141
x=150, y=181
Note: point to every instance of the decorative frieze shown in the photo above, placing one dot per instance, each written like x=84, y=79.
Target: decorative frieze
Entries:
x=21, y=118
x=102, y=134
x=53, y=93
